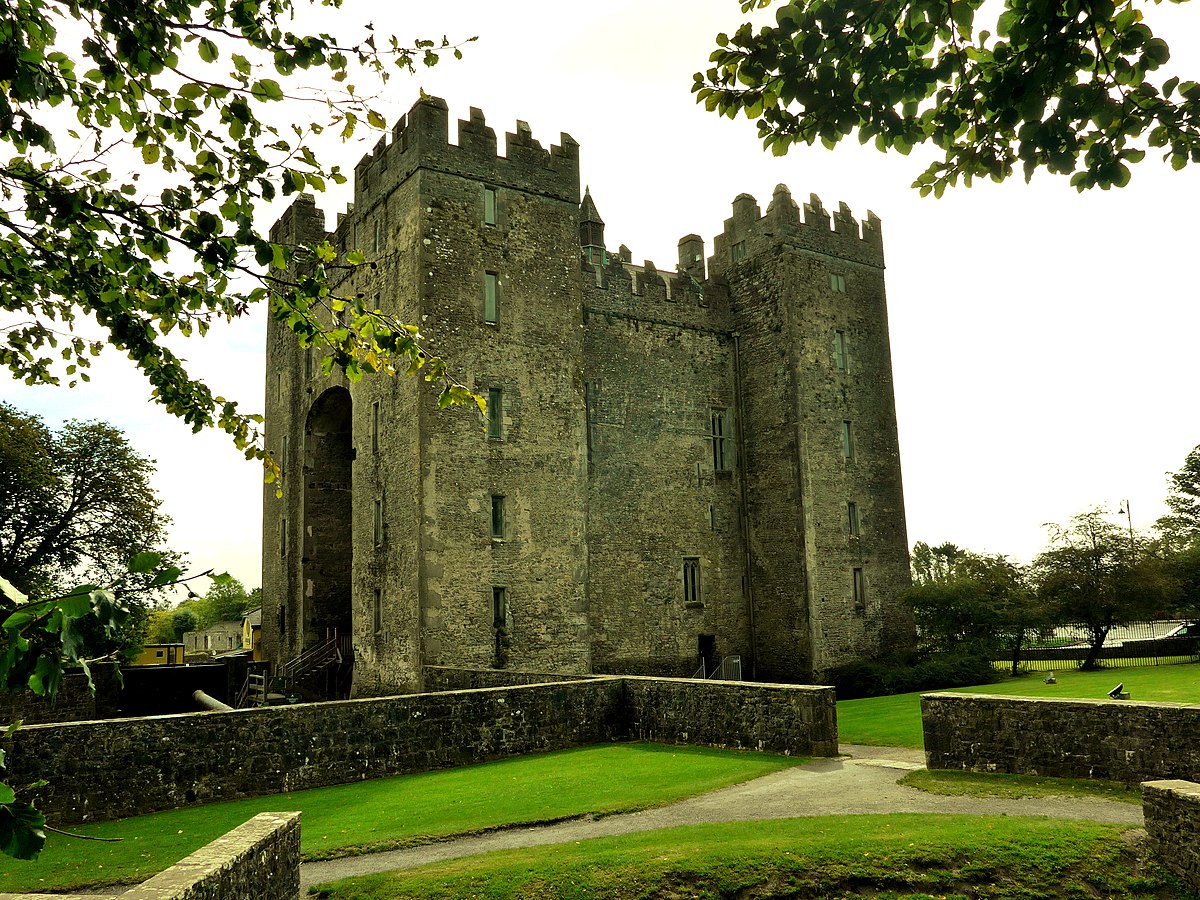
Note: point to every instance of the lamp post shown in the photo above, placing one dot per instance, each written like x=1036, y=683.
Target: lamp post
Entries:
x=1127, y=511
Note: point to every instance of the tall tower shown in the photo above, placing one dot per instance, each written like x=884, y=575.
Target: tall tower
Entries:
x=419, y=532
x=827, y=536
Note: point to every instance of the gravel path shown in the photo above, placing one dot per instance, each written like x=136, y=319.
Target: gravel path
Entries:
x=861, y=781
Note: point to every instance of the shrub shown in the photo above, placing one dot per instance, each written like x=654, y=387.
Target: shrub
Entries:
x=874, y=678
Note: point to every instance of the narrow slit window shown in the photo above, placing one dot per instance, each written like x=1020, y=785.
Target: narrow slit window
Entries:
x=848, y=439
x=852, y=518
x=499, y=607
x=283, y=457
x=283, y=537
x=860, y=589
x=489, y=206
x=719, y=441
x=377, y=610
x=491, y=298
x=691, y=580
x=377, y=242
x=375, y=427
x=495, y=414
x=377, y=521
x=839, y=349
x=498, y=516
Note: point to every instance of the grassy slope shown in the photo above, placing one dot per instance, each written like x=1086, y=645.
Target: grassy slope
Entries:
x=896, y=721
x=900, y=855
x=391, y=812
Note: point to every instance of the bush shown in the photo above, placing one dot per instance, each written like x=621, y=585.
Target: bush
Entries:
x=874, y=678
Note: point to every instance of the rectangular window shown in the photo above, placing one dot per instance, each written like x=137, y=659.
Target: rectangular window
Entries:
x=377, y=521
x=837, y=283
x=377, y=609
x=852, y=518
x=499, y=607
x=848, y=440
x=495, y=414
x=839, y=349
x=375, y=427
x=283, y=537
x=691, y=581
x=860, y=589
x=739, y=251
x=491, y=298
x=498, y=516
x=719, y=455
x=489, y=206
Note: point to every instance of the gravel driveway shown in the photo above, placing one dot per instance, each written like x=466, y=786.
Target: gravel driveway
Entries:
x=861, y=781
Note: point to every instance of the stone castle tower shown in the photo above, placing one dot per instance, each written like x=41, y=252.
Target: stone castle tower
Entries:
x=676, y=467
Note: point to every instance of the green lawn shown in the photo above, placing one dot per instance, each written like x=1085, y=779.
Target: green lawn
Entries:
x=896, y=721
x=391, y=812
x=954, y=783
x=898, y=856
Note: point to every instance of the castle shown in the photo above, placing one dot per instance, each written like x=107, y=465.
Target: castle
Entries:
x=676, y=467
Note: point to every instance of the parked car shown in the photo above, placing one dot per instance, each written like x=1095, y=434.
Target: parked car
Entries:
x=1190, y=629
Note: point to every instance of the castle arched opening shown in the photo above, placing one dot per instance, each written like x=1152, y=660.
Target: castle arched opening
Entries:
x=328, y=558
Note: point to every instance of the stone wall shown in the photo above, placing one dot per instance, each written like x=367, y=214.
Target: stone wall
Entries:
x=259, y=860
x=122, y=767
x=774, y=718
x=1118, y=740
x=447, y=678
x=1172, y=813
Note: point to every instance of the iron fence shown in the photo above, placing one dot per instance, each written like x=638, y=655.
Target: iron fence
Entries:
x=1157, y=643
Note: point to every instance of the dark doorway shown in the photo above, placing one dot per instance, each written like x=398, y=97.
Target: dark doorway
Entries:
x=328, y=501
x=708, y=653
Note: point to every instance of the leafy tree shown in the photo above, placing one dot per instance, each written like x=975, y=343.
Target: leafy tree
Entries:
x=226, y=601
x=203, y=94
x=76, y=504
x=1093, y=574
x=932, y=564
x=168, y=626
x=1182, y=525
x=976, y=604
x=1066, y=86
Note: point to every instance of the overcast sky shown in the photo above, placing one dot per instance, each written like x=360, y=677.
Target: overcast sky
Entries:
x=1042, y=340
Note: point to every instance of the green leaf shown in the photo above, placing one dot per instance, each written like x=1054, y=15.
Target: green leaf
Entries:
x=145, y=562
x=21, y=834
x=208, y=50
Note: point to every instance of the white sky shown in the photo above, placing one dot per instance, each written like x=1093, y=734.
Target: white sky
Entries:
x=1042, y=340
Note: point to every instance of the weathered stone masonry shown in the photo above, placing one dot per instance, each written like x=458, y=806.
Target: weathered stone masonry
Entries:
x=122, y=767
x=687, y=463
x=1172, y=812
x=1116, y=740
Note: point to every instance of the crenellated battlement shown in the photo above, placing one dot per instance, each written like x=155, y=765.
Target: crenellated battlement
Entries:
x=748, y=232
x=420, y=139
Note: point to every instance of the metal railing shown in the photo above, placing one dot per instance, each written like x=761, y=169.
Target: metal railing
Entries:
x=334, y=649
x=1134, y=644
x=729, y=669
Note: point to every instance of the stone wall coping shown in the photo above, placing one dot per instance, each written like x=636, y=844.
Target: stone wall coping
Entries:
x=1176, y=786
x=1062, y=701
x=711, y=682
x=212, y=857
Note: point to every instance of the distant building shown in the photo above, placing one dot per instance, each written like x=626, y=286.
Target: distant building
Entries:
x=160, y=655
x=220, y=637
x=252, y=633
x=676, y=466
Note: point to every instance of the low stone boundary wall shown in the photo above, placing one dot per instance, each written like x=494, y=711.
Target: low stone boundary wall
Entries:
x=449, y=678
x=1118, y=740
x=259, y=860
x=775, y=718
x=122, y=767
x=1172, y=813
